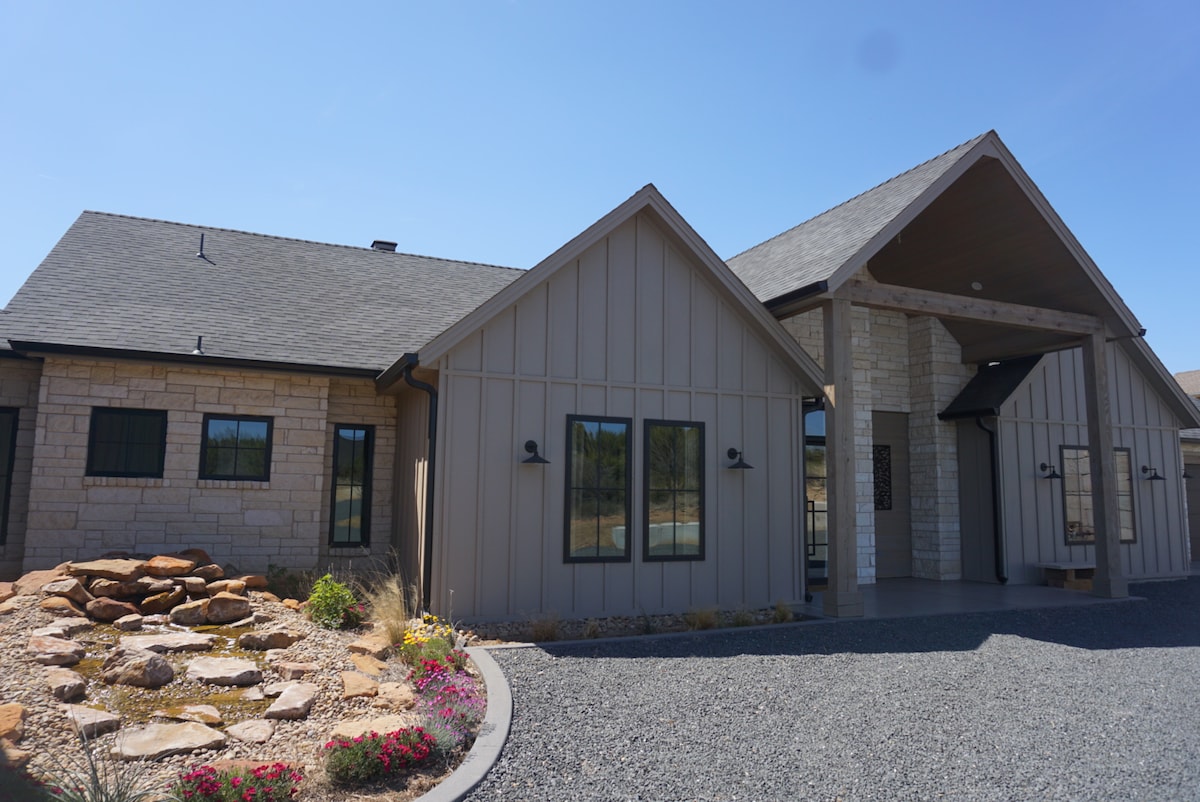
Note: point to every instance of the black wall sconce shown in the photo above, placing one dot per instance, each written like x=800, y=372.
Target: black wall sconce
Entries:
x=741, y=464
x=531, y=448
x=1052, y=471
x=1186, y=475
x=1153, y=477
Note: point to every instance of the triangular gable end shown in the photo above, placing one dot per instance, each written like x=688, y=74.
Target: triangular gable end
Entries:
x=648, y=199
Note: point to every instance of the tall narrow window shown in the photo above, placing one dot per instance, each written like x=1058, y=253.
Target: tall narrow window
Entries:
x=1077, y=495
x=350, y=507
x=598, y=480
x=127, y=442
x=9, y=418
x=674, y=491
x=236, y=447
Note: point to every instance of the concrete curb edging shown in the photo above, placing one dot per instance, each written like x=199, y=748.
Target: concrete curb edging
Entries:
x=492, y=734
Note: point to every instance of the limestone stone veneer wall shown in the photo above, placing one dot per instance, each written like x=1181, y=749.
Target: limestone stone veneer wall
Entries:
x=908, y=365
x=252, y=524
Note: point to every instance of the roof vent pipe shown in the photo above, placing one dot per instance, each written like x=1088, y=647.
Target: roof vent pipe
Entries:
x=384, y=245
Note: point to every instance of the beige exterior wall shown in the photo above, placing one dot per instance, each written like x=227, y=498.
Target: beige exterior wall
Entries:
x=19, y=382
x=1048, y=410
x=631, y=329
x=283, y=521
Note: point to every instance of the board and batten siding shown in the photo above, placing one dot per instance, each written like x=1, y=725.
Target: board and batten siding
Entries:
x=634, y=329
x=1049, y=410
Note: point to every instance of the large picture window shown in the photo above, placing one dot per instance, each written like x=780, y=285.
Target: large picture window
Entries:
x=674, y=491
x=127, y=442
x=598, y=487
x=9, y=418
x=236, y=447
x=350, y=507
x=1080, y=519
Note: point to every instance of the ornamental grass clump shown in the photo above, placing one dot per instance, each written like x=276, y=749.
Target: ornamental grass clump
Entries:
x=372, y=758
x=332, y=605
x=96, y=777
x=274, y=783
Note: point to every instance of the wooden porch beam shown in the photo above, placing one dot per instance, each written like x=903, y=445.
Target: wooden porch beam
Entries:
x=1109, y=581
x=960, y=307
x=1008, y=346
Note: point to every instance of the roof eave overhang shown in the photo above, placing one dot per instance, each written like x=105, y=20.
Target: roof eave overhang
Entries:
x=32, y=348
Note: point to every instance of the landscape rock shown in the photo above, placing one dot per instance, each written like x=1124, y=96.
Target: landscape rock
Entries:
x=6, y=591
x=199, y=555
x=368, y=664
x=169, y=565
x=161, y=602
x=190, y=614
x=376, y=645
x=48, y=632
x=203, y=714
x=11, y=605
x=156, y=741
x=234, y=586
x=352, y=728
x=195, y=585
x=57, y=605
x=253, y=693
x=395, y=696
x=355, y=685
x=170, y=642
x=155, y=584
x=69, y=588
x=140, y=668
x=224, y=671
x=129, y=623
x=12, y=721
x=112, y=589
x=293, y=671
x=208, y=573
x=51, y=651
x=293, y=703
x=31, y=583
x=277, y=688
x=12, y=757
x=121, y=570
x=292, y=604
x=91, y=723
x=255, y=731
x=65, y=684
x=253, y=581
x=267, y=595
x=263, y=640
x=72, y=626
x=105, y=609
x=224, y=608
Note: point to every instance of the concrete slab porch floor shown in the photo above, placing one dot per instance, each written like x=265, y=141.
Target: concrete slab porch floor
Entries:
x=903, y=598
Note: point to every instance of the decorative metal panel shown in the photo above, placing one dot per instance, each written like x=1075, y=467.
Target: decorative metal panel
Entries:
x=881, y=456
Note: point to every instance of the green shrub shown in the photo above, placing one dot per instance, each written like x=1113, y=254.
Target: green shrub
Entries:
x=275, y=783
x=331, y=605
x=368, y=759
x=432, y=639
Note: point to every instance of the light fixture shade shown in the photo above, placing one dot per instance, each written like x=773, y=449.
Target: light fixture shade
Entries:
x=1053, y=472
x=531, y=448
x=1153, y=477
x=740, y=464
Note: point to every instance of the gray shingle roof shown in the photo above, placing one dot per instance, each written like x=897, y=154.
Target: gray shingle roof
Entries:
x=1189, y=380
x=132, y=283
x=814, y=250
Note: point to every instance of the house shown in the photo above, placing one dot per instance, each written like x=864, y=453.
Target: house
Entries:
x=633, y=425
x=1190, y=442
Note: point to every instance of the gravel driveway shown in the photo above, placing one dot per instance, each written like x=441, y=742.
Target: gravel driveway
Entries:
x=1087, y=703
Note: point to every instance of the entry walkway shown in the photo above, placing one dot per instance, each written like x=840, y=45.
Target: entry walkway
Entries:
x=902, y=598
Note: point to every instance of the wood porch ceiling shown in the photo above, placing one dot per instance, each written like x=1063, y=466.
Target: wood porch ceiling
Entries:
x=983, y=228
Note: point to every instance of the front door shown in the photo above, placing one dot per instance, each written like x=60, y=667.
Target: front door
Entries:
x=1193, y=502
x=893, y=532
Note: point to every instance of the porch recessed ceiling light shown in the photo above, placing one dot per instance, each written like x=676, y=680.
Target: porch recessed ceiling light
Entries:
x=977, y=285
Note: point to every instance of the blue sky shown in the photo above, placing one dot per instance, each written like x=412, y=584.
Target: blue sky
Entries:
x=496, y=131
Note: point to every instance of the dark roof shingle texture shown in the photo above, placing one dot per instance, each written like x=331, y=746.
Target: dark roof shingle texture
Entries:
x=814, y=250
x=137, y=284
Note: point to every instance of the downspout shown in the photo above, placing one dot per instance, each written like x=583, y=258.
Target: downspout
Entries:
x=997, y=535
x=430, y=465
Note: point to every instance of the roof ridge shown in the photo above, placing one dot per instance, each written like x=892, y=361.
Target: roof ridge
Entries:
x=896, y=177
x=296, y=239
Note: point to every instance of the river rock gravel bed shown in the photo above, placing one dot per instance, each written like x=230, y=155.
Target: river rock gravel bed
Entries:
x=1081, y=703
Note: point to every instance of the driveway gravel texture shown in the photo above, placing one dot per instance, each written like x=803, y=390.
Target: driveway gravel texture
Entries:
x=1082, y=703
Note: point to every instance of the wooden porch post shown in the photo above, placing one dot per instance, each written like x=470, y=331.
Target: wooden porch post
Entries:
x=842, y=598
x=1109, y=581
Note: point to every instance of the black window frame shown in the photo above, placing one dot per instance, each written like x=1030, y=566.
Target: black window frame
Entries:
x=647, y=425
x=236, y=477
x=627, y=555
x=364, y=521
x=1128, y=492
x=94, y=446
x=8, y=461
